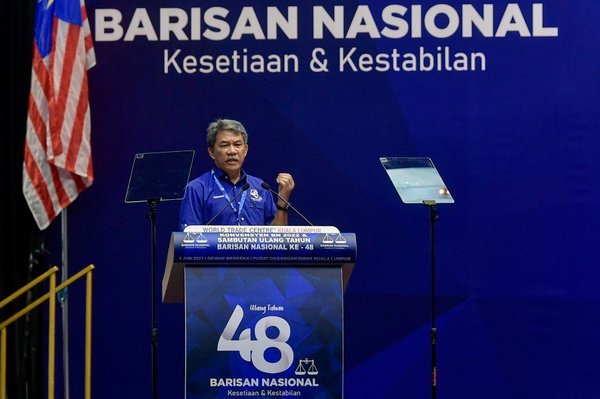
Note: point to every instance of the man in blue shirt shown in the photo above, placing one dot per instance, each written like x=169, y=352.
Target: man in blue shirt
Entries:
x=208, y=194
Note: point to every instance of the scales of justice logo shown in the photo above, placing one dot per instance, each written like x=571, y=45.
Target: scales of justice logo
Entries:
x=194, y=237
x=303, y=370
x=337, y=239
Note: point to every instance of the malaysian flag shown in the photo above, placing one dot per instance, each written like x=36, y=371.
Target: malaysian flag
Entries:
x=57, y=163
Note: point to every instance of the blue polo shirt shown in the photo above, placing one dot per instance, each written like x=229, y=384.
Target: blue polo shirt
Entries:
x=209, y=193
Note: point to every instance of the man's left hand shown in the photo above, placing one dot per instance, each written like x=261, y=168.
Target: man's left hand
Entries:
x=286, y=185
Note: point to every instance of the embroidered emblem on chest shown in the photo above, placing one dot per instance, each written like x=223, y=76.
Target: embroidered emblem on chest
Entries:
x=255, y=196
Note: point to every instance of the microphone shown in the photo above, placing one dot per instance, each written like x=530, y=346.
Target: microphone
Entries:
x=267, y=187
x=244, y=188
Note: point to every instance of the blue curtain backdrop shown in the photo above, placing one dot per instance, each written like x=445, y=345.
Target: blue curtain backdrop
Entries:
x=516, y=140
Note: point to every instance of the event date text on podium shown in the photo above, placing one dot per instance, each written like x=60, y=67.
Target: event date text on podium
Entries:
x=263, y=309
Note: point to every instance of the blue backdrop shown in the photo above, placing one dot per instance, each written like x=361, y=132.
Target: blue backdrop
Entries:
x=515, y=138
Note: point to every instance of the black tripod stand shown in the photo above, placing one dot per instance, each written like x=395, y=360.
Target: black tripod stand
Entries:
x=433, y=217
x=157, y=177
x=417, y=181
x=152, y=204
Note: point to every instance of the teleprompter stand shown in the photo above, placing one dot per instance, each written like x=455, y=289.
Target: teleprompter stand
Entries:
x=157, y=177
x=417, y=182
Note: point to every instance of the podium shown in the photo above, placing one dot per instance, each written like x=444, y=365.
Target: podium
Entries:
x=263, y=309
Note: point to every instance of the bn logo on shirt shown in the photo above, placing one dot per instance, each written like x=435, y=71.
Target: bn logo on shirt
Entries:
x=255, y=196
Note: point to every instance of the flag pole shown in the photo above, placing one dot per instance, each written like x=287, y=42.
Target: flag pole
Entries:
x=64, y=301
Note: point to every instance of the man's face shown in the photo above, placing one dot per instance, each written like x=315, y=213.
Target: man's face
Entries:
x=229, y=151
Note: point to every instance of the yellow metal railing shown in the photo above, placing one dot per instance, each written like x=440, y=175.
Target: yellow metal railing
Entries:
x=50, y=296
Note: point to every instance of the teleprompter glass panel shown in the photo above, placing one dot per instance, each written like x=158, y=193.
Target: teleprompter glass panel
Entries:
x=416, y=180
x=159, y=175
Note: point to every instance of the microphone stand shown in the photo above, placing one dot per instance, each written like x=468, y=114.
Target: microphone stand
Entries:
x=267, y=187
x=153, y=203
x=244, y=188
x=433, y=217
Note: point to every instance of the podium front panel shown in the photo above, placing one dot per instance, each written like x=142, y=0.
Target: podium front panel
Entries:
x=264, y=331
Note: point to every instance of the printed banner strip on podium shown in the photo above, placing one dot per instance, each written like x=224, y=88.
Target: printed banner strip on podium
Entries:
x=235, y=245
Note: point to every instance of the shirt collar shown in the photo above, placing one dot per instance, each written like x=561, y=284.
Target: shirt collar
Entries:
x=223, y=177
